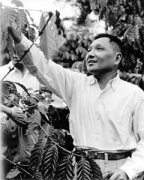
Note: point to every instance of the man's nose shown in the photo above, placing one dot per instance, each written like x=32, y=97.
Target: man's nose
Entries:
x=91, y=52
x=90, y=55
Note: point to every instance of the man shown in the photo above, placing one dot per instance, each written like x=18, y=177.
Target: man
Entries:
x=106, y=113
x=16, y=145
x=18, y=74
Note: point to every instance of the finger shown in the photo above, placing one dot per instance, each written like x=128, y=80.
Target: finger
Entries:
x=114, y=176
x=107, y=175
x=14, y=34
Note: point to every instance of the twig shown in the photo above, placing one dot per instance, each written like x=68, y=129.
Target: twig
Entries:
x=17, y=165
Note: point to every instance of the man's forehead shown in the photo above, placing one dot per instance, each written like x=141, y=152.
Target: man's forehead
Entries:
x=101, y=40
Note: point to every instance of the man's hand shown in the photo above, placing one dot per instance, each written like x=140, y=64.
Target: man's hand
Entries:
x=15, y=34
x=18, y=116
x=43, y=107
x=119, y=175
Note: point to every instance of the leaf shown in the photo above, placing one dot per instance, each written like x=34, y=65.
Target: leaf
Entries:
x=17, y=3
x=38, y=176
x=84, y=53
x=36, y=156
x=96, y=171
x=23, y=87
x=45, y=129
x=55, y=136
x=79, y=50
x=127, y=31
x=49, y=142
x=7, y=16
x=65, y=168
x=34, y=122
x=66, y=55
x=22, y=19
x=49, y=162
x=111, y=17
x=102, y=12
x=84, y=171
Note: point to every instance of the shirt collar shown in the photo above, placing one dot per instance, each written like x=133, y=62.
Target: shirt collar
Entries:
x=113, y=82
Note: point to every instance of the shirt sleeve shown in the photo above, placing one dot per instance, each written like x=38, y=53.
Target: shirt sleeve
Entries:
x=134, y=165
x=51, y=75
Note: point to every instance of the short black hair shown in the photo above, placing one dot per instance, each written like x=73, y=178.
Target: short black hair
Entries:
x=112, y=38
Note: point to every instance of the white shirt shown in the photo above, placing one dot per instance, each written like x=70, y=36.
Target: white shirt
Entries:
x=109, y=119
x=57, y=102
x=29, y=81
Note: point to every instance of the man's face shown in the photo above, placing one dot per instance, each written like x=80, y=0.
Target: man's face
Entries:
x=48, y=97
x=101, y=57
x=9, y=100
x=18, y=64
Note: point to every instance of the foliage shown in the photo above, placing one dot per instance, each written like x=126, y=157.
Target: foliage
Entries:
x=35, y=158
x=53, y=161
x=60, y=27
x=74, y=49
x=84, y=170
x=17, y=3
x=85, y=9
x=125, y=19
x=49, y=162
x=19, y=19
x=65, y=168
x=96, y=172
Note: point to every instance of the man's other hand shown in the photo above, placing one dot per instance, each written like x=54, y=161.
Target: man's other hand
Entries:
x=15, y=34
x=119, y=175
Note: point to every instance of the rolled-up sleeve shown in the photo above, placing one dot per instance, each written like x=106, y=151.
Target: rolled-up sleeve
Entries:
x=135, y=165
x=51, y=75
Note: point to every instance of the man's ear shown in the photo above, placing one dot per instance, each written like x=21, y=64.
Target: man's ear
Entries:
x=118, y=58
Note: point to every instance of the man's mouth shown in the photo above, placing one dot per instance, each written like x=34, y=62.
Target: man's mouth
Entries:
x=91, y=61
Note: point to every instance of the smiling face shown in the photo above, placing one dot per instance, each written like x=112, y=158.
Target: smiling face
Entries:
x=102, y=56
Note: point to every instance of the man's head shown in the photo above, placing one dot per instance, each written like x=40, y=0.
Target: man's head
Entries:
x=18, y=64
x=105, y=54
x=9, y=94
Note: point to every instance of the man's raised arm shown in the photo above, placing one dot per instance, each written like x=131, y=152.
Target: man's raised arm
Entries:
x=51, y=75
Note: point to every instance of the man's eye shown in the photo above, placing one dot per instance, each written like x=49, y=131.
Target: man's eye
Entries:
x=89, y=50
x=99, y=48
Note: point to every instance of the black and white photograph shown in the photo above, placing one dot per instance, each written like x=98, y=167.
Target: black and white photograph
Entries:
x=72, y=90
